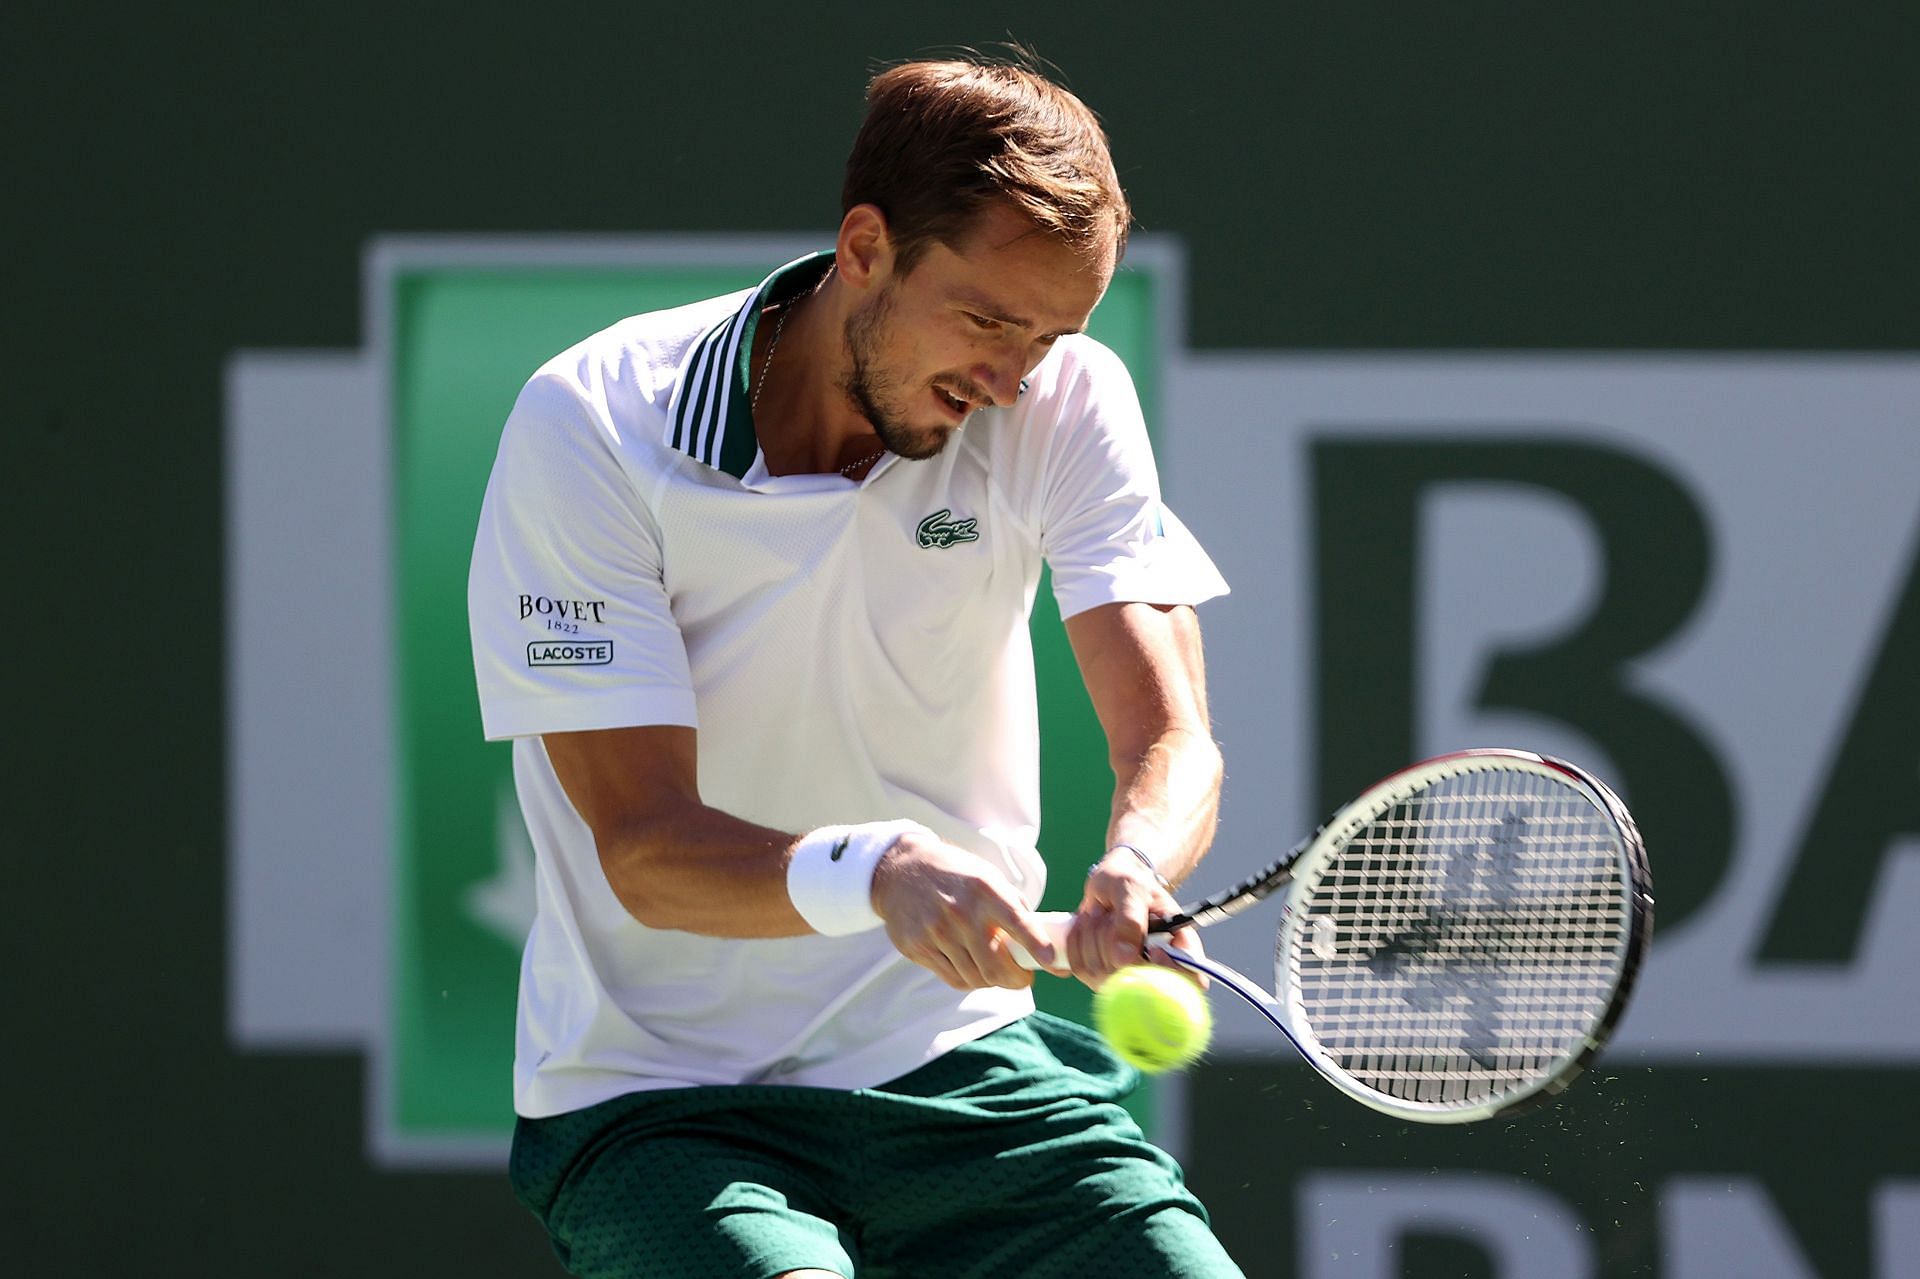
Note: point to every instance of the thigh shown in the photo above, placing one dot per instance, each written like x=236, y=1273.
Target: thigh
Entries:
x=692, y=1205
x=1035, y=1170
x=1079, y=1192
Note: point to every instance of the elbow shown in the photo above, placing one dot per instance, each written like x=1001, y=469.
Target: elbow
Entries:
x=1217, y=762
x=1207, y=757
x=646, y=912
x=629, y=861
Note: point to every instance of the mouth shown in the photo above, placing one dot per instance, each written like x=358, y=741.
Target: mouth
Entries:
x=956, y=407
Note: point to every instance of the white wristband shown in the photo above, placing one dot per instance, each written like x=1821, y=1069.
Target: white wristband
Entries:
x=830, y=879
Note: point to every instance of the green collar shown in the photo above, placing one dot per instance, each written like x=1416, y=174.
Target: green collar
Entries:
x=711, y=417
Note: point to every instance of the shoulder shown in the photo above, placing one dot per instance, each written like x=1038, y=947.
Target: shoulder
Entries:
x=1081, y=391
x=1077, y=426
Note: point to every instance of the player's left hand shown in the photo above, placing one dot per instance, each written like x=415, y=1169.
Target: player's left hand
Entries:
x=1110, y=928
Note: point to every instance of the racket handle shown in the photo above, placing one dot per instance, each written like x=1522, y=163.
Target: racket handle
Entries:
x=1056, y=923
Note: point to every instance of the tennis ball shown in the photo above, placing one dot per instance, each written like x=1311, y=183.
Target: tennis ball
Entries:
x=1154, y=1017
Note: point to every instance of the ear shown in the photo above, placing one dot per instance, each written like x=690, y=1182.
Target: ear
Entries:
x=863, y=253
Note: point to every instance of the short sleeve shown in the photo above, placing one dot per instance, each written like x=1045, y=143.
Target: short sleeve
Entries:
x=1106, y=534
x=568, y=613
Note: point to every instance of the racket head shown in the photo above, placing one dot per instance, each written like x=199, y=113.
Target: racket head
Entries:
x=1458, y=942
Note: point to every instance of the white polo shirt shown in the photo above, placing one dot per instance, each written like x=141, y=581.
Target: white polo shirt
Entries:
x=849, y=652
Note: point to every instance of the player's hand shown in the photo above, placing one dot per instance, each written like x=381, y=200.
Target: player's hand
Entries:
x=1110, y=929
x=952, y=914
x=1187, y=939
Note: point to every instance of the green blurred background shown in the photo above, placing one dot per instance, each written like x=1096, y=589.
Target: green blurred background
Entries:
x=188, y=181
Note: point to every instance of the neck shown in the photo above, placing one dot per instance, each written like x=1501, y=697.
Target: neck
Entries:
x=802, y=418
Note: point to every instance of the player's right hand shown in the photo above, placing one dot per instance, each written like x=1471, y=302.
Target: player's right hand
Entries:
x=952, y=913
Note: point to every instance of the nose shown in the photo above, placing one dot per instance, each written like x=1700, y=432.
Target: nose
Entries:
x=1001, y=376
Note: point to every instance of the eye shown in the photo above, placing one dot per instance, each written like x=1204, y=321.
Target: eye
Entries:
x=981, y=322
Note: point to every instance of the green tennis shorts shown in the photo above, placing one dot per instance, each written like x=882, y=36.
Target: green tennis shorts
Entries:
x=1006, y=1158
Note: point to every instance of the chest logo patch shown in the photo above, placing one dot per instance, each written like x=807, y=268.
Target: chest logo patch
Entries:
x=941, y=530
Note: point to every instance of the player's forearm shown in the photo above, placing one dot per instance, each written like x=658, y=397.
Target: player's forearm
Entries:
x=1167, y=799
x=703, y=871
x=699, y=870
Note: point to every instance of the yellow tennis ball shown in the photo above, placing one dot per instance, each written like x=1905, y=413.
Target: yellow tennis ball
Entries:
x=1154, y=1017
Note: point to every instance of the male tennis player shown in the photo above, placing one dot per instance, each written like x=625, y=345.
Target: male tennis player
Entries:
x=750, y=596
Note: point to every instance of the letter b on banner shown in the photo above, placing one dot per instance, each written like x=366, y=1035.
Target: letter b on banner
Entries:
x=1368, y=493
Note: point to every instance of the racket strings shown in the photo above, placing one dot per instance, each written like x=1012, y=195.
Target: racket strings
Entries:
x=1465, y=941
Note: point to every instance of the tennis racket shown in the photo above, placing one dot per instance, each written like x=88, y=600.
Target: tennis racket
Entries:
x=1457, y=943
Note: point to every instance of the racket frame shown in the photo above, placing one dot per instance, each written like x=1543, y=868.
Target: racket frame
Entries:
x=1296, y=869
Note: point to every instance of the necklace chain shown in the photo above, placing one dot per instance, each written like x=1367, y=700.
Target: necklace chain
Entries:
x=874, y=456
x=766, y=361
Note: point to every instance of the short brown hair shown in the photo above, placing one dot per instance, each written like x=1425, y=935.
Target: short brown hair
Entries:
x=944, y=139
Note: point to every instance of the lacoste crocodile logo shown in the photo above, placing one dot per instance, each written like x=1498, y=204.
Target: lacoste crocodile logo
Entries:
x=942, y=530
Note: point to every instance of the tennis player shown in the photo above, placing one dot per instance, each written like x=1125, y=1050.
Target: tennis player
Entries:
x=750, y=596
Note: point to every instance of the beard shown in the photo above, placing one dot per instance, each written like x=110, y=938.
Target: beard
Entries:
x=879, y=396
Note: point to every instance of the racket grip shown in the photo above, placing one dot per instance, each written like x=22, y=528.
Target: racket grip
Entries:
x=1056, y=922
